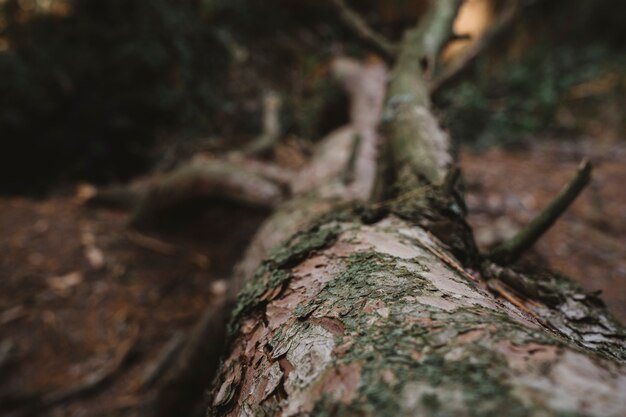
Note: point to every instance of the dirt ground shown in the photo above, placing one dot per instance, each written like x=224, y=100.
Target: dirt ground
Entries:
x=80, y=295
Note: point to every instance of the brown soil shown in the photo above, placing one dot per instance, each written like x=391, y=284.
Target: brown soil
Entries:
x=66, y=314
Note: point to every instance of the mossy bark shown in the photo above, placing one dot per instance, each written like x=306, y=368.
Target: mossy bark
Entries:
x=386, y=309
x=351, y=318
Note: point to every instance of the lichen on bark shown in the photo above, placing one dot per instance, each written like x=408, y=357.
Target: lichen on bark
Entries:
x=375, y=324
x=274, y=271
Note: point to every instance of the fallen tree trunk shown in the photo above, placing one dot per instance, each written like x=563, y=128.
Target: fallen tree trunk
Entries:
x=353, y=307
x=358, y=319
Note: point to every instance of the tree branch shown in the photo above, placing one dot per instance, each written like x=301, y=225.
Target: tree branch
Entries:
x=511, y=250
x=359, y=26
x=453, y=71
x=420, y=148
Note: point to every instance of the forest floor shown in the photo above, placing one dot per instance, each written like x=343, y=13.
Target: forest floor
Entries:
x=87, y=303
x=82, y=296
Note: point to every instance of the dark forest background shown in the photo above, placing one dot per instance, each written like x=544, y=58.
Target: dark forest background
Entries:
x=101, y=90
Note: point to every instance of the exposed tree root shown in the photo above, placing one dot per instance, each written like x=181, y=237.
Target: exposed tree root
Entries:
x=39, y=404
x=185, y=381
x=242, y=181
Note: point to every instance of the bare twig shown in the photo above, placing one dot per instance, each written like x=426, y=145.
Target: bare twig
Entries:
x=441, y=255
x=160, y=247
x=359, y=26
x=512, y=249
x=271, y=127
x=508, y=295
x=151, y=243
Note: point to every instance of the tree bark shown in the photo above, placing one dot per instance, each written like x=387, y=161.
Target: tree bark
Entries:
x=358, y=308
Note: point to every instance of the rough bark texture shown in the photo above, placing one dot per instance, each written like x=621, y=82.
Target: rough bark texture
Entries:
x=370, y=320
x=353, y=308
x=343, y=169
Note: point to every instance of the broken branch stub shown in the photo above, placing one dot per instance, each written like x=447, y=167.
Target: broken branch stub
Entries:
x=510, y=251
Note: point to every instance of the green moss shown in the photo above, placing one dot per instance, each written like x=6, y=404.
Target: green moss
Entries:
x=388, y=333
x=431, y=402
x=390, y=344
x=274, y=271
x=301, y=244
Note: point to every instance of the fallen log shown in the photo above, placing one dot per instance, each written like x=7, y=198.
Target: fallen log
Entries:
x=354, y=307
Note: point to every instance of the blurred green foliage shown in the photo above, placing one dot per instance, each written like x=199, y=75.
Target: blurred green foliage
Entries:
x=508, y=103
x=511, y=96
x=82, y=95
